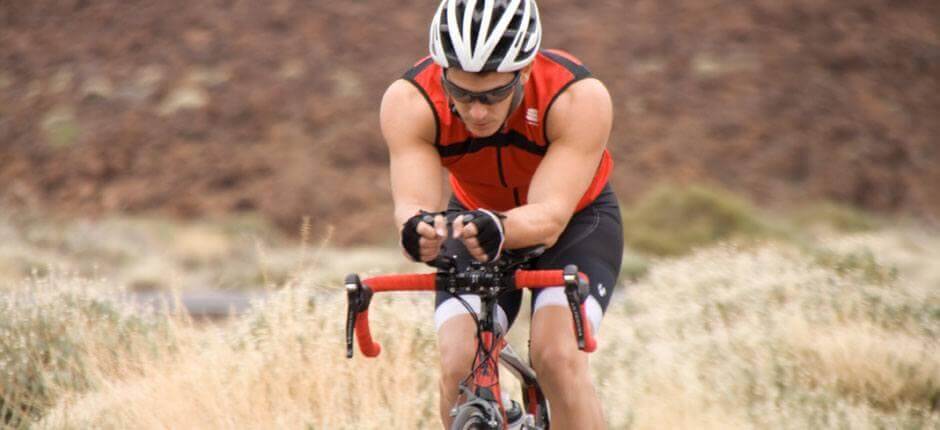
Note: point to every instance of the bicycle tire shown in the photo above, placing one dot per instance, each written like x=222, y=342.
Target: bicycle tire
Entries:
x=470, y=417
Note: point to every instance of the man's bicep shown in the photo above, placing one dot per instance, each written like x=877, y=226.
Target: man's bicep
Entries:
x=580, y=127
x=562, y=178
x=416, y=175
x=408, y=128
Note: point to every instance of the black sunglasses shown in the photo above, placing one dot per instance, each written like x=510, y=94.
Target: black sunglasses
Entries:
x=487, y=97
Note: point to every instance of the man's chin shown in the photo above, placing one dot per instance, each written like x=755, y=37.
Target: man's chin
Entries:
x=483, y=132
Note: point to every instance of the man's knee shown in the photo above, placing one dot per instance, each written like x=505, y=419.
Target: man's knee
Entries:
x=557, y=361
x=554, y=351
x=457, y=349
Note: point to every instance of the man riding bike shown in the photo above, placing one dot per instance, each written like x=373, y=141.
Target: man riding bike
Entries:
x=523, y=134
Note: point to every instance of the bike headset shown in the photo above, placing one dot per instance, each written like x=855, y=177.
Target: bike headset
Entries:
x=486, y=36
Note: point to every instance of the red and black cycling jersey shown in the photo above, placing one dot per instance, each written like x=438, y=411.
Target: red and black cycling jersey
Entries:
x=495, y=172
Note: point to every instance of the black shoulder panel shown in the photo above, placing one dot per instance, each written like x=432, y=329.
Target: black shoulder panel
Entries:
x=410, y=76
x=578, y=70
x=412, y=73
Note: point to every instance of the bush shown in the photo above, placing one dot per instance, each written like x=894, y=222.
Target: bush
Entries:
x=862, y=265
x=840, y=217
x=672, y=220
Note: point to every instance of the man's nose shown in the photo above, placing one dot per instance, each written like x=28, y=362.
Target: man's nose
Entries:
x=478, y=111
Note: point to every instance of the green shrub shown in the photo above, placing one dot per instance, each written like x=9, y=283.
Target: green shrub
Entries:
x=861, y=264
x=672, y=220
x=840, y=217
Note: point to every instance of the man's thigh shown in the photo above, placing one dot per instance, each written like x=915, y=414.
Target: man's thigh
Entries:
x=593, y=241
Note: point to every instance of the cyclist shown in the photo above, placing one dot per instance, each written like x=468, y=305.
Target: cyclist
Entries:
x=523, y=134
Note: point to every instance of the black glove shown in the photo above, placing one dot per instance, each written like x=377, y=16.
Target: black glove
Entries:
x=490, y=232
x=410, y=239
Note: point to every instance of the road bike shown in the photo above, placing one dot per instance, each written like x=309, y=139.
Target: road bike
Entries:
x=481, y=404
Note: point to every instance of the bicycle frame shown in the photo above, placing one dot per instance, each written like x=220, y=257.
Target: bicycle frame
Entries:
x=533, y=400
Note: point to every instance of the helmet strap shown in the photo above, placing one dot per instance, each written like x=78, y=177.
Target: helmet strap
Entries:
x=517, y=94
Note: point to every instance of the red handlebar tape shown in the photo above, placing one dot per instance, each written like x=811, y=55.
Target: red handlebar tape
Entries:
x=539, y=278
x=427, y=282
x=423, y=282
x=369, y=347
x=542, y=278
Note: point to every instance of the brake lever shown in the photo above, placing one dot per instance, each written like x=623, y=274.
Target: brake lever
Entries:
x=576, y=290
x=357, y=300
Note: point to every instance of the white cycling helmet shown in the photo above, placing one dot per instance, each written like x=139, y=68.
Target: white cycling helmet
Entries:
x=485, y=35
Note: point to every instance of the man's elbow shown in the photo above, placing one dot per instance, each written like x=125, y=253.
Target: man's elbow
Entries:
x=555, y=226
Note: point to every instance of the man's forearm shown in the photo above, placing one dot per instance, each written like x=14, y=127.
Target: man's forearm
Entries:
x=533, y=224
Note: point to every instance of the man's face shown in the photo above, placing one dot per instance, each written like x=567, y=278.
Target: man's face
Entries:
x=481, y=119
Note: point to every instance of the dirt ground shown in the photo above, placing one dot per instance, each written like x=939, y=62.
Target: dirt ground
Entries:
x=213, y=107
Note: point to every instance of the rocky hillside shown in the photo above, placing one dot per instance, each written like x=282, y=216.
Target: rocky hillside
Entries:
x=212, y=107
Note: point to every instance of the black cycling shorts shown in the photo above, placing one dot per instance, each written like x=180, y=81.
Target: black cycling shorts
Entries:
x=593, y=240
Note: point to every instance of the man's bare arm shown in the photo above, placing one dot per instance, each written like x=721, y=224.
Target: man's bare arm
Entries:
x=409, y=128
x=579, y=127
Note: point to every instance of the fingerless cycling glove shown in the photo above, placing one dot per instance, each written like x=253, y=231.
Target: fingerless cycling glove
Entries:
x=410, y=239
x=490, y=232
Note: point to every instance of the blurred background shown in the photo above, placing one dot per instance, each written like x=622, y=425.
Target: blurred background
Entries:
x=777, y=161
x=195, y=109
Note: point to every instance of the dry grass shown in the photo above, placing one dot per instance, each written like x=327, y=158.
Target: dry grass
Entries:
x=865, y=361
x=766, y=337
x=282, y=366
x=762, y=336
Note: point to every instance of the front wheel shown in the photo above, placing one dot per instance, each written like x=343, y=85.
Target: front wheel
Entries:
x=471, y=417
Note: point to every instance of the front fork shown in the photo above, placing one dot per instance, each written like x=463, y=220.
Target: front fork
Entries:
x=534, y=403
x=483, y=388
